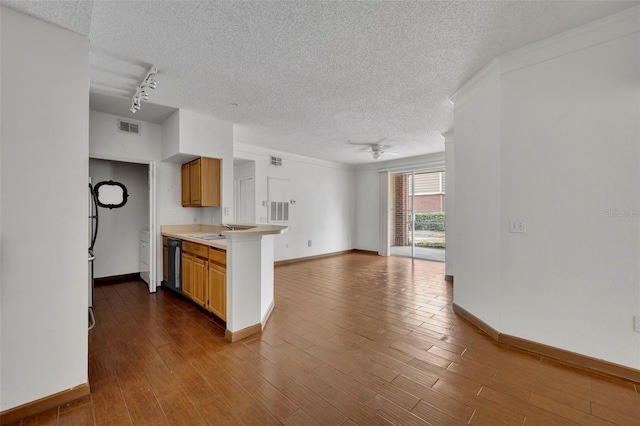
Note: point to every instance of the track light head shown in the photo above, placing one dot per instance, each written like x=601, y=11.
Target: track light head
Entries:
x=149, y=81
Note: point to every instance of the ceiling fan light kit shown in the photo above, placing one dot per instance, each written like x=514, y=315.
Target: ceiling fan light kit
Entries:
x=375, y=148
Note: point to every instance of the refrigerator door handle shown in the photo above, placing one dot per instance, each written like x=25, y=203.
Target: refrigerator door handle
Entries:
x=92, y=317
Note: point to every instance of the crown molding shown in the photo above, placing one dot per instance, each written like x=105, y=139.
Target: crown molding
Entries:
x=603, y=30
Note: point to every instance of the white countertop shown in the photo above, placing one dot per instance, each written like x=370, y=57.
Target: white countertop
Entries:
x=189, y=232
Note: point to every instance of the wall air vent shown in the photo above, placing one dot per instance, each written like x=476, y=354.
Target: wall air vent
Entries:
x=276, y=161
x=128, y=127
x=279, y=211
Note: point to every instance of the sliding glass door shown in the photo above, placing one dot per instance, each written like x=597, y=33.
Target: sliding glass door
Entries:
x=417, y=224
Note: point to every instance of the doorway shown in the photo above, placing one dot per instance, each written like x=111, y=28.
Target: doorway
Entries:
x=417, y=220
x=126, y=236
x=244, y=190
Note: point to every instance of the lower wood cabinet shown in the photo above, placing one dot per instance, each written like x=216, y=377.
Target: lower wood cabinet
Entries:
x=204, y=277
x=218, y=290
x=187, y=275
x=200, y=281
x=218, y=283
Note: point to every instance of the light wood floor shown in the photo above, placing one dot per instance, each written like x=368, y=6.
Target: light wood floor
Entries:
x=354, y=339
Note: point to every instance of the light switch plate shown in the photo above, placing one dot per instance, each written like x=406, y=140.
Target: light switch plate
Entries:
x=517, y=226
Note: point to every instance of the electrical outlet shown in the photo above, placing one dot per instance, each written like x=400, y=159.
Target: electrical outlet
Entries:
x=309, y=243
x=517, y=226
x=226, y=211
x=636, y=323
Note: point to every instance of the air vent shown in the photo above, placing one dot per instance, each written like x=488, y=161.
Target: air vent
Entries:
x=128, y=127
x=276, y=161
x=279, y=211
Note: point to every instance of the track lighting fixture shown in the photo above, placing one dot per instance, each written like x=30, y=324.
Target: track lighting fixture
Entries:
x=148, y=82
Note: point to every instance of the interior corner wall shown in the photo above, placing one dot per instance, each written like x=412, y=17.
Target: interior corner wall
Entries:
x=44, y=160
x=324, y=208
x=554, y=144
x=477, y=210
x=205, y=136
x=570, y=168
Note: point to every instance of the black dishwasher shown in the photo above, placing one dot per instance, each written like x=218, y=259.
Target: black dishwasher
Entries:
x=174, y=281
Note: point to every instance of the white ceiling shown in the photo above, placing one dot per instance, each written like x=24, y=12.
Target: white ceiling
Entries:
x=306, y=77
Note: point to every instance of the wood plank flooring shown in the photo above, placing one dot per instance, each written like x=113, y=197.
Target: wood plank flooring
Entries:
x=354, y=339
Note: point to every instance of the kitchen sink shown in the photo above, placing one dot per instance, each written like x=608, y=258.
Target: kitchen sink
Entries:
x=209, y=237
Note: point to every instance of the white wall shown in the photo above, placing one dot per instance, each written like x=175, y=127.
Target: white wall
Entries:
x=324, y=209
x=107, y=142
x=367, y=207
x=44, y=209
x=117, y=246
x=477, y=204
x=566, y=145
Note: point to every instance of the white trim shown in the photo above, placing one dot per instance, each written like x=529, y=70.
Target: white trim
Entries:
x=267, y=314
x=483, y=80
x=153, y=227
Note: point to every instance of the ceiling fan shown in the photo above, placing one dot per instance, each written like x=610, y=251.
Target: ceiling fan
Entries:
x=375, y=148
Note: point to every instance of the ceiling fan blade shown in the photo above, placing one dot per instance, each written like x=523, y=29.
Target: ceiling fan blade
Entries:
x=367, y=143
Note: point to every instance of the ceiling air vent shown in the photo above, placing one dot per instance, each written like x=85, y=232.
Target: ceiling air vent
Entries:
x=128, y=127
x=276, y=161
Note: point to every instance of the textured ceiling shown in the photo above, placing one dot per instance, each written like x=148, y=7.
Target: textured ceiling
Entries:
x=307, y=77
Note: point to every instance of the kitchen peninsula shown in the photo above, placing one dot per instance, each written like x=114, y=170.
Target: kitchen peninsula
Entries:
x=240, y=261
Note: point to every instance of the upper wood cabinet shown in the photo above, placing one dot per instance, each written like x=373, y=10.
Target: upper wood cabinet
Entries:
x=201, y=183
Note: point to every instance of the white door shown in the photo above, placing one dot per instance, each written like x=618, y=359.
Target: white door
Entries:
x=245, y=201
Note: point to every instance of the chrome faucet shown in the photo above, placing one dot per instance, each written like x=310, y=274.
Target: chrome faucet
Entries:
x=229, y=227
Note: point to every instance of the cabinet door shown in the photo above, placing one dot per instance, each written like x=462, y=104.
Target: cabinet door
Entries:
x=195, y=187
x=186, y=186
x=218, y=290
x=200, y=281
x=210, y=182
x=187, y=275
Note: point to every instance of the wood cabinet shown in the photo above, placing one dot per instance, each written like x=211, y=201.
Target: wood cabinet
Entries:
x=218, y=283
x=200, y=281
x=187, y=275
x=195, y=276
x=201, y=183
x=165, y=259
x=204, y=276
